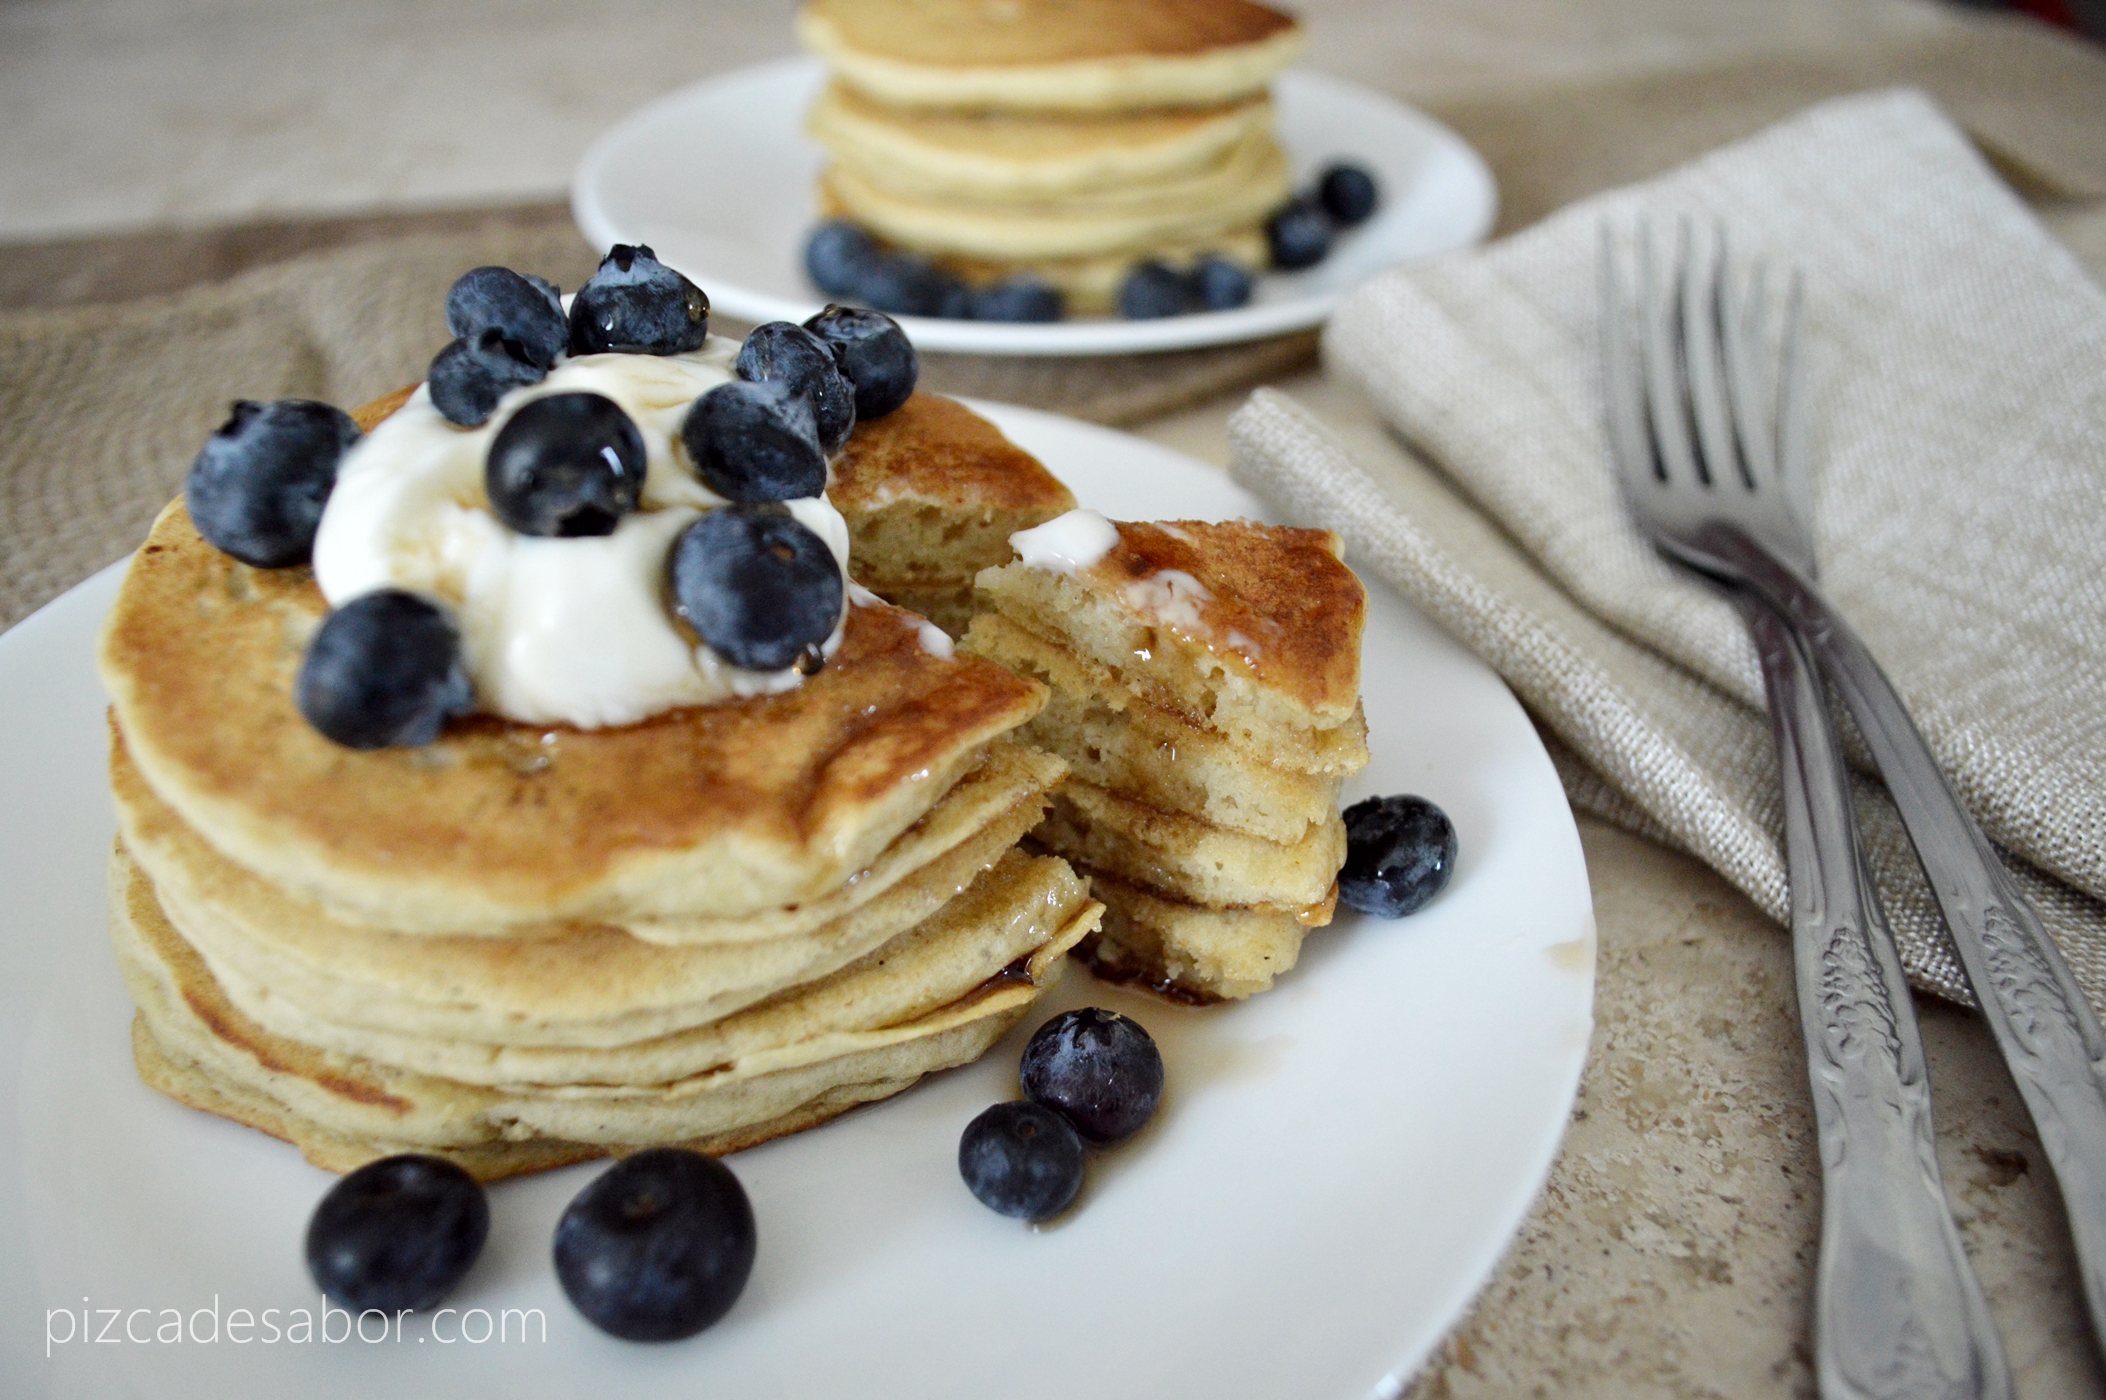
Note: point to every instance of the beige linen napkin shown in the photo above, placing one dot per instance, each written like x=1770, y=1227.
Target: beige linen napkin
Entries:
x=1959, y=460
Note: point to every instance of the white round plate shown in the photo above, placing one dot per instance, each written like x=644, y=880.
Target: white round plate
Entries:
x=1336, y=1167
x=717, y=178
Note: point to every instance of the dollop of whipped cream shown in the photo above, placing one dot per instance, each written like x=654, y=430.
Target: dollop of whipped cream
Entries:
x=1066, y=543
x=569, y=631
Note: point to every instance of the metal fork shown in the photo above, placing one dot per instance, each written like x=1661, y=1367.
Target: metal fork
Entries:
x=1711, y=458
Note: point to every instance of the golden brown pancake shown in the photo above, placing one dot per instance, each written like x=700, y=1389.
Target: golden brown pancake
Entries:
x=1073, y=55
x=1250, y=630
x=932, y=492
x=720, y=810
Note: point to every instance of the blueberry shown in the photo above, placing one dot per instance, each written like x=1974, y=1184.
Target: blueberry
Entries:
x=1299, y=235
x=837, y=257
x=658, y=1247
x=527, y=309
x=755, y=442
x=1400, y=852
x=1021, y=1160
x=258, y=487
x=874, y=353
x=565, y=465
x=805, y=364
x=1019, y=299
x=1097, y=1069
x=760, y=589
x=468, y=377
x=397, y=1233
x=1347, y=193
x=1152, y=290
x=907, y=285
x=384, y=670
x=637, y=305
x=1220, y=285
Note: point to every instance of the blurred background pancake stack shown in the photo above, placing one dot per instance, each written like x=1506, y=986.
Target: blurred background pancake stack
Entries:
x=1065, y=140
x=1205, y=685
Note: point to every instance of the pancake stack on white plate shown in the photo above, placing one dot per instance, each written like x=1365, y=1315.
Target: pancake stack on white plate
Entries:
x=522, y=945
x=1062, y=139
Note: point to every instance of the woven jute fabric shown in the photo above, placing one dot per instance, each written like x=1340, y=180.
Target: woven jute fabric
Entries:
x=1958, y=445
x=105, y=406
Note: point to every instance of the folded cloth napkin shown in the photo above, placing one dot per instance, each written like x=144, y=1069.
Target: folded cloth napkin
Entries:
x=1958, y=446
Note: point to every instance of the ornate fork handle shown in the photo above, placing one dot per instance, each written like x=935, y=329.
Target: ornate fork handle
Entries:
x=2041, y=1019
x=1897, y=1310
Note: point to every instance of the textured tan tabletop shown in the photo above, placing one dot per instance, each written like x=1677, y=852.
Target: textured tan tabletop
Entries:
x=177, y=146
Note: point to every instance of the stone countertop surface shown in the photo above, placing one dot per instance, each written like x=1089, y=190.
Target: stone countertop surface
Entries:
x=1670, y=1252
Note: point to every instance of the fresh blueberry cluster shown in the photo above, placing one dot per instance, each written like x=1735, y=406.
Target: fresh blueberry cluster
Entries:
x=1300, y=234
x=656, y=1248
x=1090, y=1077
x=1400, y=852
x=756, y=586
x=844, y=261
x=1214, y=283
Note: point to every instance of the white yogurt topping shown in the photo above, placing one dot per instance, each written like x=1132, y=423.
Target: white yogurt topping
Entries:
x=1066, y=543
x=573, y=631
x=1171, y=596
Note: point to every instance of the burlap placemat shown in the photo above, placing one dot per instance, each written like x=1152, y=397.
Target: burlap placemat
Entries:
x=1959, y=437
x=106, y=405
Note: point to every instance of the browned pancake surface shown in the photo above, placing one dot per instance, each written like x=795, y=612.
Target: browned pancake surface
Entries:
x=1282, y=588
x=959, y=33
x=936, y=449
x=200, y=652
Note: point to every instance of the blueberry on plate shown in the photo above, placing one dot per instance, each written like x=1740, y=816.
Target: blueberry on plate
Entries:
x=565, y=465
x=658, y=1247
x=397, y=1233
x=907, y=285
x=874, y=353
x=1152, y=290
x=528, y=310
x=1019, y=299
x=636, y=305
x=1347, y=193
x=468, y=377
x=1400, y=852
x=384, y=670
x=1021, y=1160
x=755, y=441
x=759, y=588
x=783, y=351
x=1097, y=1069
x=1298, y=236
x=258, y=488
x=838, y=256
x=1219, y=284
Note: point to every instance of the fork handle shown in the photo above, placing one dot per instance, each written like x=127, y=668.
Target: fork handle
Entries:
x=1897, y=1310
x=2040, y=1017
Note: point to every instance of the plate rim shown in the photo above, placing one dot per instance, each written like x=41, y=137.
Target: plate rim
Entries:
x=1067, y=339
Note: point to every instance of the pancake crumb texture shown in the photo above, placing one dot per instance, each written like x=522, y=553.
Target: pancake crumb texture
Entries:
x=1205, y=687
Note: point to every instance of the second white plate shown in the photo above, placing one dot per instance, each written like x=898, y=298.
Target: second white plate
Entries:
x=717, y=178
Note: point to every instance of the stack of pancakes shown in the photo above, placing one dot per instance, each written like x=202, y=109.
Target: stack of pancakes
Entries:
x=522, y=946
x=931, y=493
x=1062, y=139
x=1206, y=695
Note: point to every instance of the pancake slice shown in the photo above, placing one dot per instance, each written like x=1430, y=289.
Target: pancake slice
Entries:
x=1187, y=857
x=1193, y=952
x=1113, y=739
